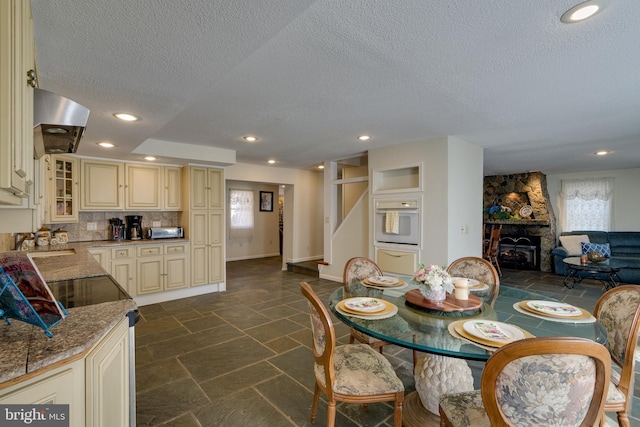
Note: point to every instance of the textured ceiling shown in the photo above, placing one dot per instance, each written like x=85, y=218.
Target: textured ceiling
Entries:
x=308, y=77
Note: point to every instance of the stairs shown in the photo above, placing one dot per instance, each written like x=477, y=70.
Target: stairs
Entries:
x=308, y=268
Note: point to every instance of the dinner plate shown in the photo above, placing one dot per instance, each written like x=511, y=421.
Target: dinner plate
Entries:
x=554, y=308
x=364, y=304
x=473, y=283
x=383, y=280
x=493, y=331
x=390, y=311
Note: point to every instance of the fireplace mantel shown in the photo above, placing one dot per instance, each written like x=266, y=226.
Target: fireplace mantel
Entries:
x=536, y=222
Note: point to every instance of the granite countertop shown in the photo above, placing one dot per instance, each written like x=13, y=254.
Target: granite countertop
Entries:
x=25, y=348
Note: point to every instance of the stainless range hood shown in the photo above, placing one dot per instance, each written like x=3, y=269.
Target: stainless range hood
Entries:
x=58, y=123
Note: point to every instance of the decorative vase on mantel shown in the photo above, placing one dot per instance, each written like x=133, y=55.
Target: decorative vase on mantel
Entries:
x=433, y=295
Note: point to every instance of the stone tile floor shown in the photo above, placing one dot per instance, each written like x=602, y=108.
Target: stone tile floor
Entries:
x=242, y=357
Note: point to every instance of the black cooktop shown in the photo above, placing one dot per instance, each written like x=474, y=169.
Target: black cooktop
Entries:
x=87, y=291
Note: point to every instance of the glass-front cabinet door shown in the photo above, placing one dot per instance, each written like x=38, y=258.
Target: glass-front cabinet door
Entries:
x=63, y=190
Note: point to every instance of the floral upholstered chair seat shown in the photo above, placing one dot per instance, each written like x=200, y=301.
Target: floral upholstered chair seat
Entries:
x=360, y=371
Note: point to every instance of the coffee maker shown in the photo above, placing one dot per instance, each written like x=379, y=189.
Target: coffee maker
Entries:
x=116, y=229
x=134, y=227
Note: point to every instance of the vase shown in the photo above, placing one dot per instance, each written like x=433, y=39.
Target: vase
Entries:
x=435, y=295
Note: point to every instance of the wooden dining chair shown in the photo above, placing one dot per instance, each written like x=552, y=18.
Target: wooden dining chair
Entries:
x=618, y=310
x=480, y=270
x=536, y=382
x=491, y=252
x=355, y=270
x=352, y=373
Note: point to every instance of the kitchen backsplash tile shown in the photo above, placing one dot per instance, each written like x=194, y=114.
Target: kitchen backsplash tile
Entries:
x=78, y=231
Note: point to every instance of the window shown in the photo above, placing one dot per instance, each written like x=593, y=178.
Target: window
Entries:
x=586, y=204
x=240, y=214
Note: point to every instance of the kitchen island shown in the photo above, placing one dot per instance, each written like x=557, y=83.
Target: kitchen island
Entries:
x=86, y=363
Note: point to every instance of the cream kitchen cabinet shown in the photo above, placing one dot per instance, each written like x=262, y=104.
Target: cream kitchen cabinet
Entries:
x=62, y=190
x=102, y=256
x=107, y=379
x=17, y=81
x=101, y=185
x=203, y=222
x=206, y=187
x=207, y=231
x=143, y=187
x=60, y=386
x=95, y=386
x=162, y=267
x=116, y=186
x=123, y=268
x=172, y=188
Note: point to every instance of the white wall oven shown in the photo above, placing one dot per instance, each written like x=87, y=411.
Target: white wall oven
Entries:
x=397, y=221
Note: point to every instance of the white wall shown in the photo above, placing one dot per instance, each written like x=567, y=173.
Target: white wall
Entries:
x=303, y=202
x=626, y=196
x=350, y=239
x=265, y=239
x=465, y=176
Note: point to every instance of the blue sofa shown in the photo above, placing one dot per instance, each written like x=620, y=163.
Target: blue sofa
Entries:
x=625, y=247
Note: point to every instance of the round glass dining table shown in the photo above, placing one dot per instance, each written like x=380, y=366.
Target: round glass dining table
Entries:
x=443, y=368
x=428, y=332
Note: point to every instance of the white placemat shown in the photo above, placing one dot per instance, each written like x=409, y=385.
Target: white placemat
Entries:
x=519, y=309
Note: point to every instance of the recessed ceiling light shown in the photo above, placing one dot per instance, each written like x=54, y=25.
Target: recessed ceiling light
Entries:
x=364, y=137
x=126, y=117
x=250, y=138
x=584, y=10
x=271, y=161
x=150, y=158
x=106, y=144
x=320, y=166
x=602, y=153
x=55, y=130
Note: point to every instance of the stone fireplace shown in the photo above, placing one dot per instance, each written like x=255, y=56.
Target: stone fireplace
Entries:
x=511, y=193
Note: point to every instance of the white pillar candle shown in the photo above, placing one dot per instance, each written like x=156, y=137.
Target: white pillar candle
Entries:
x=462, y=288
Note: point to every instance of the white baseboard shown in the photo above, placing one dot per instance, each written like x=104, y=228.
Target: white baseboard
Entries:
x=242, y=258
x=309, y=258
x=332, y=278
x=158, y=297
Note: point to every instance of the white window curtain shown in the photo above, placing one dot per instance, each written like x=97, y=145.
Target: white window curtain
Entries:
x=240, y=214
x=587, y=204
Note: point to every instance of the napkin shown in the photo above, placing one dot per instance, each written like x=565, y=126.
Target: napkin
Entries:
x=392, y=222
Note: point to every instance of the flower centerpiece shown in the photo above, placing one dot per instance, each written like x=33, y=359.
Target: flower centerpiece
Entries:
x=433, y=282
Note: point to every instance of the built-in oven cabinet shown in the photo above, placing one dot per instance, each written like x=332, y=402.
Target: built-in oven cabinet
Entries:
x=397, y=221
x=397, y=261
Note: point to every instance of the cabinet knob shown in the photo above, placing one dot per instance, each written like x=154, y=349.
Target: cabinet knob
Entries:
x=32, y=80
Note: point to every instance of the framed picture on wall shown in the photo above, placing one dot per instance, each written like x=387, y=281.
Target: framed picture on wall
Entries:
x=266, y=201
